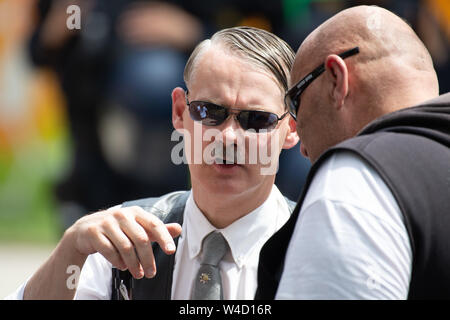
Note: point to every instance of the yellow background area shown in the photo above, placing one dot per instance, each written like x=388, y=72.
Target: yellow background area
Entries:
x=441, y=10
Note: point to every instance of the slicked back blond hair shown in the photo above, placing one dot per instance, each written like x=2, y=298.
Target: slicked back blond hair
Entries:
x=259, y=47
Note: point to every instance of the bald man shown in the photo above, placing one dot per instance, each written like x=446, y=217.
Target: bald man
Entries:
x=373, y=220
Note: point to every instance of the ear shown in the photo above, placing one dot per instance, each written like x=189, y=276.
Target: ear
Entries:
x=292, y=136
x=337, y=73
x=178, y=107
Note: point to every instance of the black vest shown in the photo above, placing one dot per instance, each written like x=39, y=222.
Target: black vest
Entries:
x=410, y=150
x=169, y=208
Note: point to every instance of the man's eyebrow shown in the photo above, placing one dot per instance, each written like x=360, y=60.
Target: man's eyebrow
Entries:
x=260, y=105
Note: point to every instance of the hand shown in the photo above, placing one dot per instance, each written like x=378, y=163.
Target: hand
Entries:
x=123, y=236
x=159, y=23
x=54, y=29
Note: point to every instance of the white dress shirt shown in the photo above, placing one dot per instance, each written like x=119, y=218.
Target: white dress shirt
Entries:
x=239, y=267
x=349, y=241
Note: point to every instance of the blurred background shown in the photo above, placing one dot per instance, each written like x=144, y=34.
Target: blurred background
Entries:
x=85, y=115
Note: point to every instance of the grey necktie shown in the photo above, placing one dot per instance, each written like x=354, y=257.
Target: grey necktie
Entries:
x=208, y=283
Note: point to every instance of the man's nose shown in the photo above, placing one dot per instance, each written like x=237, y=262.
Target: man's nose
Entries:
x=231, y=129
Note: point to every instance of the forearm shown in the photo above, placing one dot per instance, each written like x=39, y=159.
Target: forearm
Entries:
x=53, y=280
x=121, y=236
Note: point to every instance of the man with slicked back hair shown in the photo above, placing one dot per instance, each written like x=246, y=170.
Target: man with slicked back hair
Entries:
x=153, y=248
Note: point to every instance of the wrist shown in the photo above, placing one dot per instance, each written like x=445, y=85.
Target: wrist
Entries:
x=68, y=248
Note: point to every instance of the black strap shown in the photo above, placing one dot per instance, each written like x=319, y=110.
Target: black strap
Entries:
x=142, y=288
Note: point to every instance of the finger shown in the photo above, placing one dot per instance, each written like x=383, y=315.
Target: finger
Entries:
x=174, y=229
x=107, y=250
x=156, y=230
x=142, y=244
x=125, y=247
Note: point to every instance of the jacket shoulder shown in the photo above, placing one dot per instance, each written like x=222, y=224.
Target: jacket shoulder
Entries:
x=161, y=206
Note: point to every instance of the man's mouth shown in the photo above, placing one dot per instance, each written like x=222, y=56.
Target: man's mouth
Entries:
x=227, y=162
x=225, y=165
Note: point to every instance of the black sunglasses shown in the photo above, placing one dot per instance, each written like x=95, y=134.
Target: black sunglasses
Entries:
x=211, y=114
x=292, y=97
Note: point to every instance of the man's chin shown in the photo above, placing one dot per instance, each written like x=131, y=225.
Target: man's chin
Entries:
x=227, y=183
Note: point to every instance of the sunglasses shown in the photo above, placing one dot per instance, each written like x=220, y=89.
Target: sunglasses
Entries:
x=292, y=97
x=211, y=114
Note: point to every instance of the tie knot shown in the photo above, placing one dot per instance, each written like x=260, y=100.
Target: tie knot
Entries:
x=214, y=248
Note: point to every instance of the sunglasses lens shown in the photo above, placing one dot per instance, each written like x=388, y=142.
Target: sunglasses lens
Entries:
x=213, y=115
x=257, y=120
x=209, y=114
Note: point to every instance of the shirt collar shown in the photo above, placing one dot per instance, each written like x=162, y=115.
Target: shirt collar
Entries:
x=243, y=235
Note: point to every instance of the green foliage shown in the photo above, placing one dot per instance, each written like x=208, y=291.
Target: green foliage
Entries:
x=28, y=211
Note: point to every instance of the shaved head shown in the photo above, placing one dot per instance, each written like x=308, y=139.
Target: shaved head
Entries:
x=393, y=70
x=384, y=40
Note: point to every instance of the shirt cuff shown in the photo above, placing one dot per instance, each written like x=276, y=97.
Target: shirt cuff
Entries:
x=18, y=294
